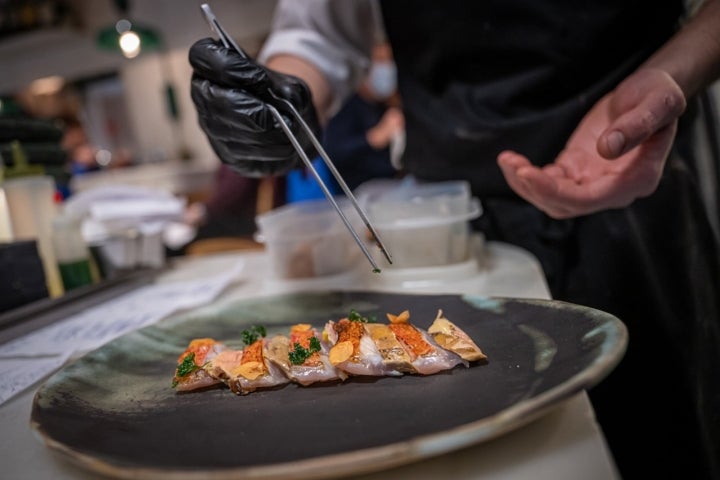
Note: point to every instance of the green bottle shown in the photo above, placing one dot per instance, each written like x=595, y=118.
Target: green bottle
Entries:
x=71, y=252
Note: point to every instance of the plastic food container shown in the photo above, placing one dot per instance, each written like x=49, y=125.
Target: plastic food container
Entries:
x=421, y=224
x=309, y=239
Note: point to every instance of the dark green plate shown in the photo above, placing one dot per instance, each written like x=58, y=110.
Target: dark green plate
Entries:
x=113, y=411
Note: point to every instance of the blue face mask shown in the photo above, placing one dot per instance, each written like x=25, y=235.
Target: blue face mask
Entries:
x=383, y=79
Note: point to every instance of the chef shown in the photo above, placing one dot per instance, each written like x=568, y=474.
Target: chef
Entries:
x=573, y=122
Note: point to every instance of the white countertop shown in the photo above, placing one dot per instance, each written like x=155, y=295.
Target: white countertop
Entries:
x=565, y=443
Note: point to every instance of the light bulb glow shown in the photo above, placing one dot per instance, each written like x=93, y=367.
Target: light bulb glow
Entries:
x=130, y=44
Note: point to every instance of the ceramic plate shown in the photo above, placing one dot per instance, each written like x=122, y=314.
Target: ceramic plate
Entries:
x=113, y=411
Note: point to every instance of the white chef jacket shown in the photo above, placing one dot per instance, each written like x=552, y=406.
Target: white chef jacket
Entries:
x=336, y=36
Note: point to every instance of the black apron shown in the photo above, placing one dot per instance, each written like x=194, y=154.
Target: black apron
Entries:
x=478, y=77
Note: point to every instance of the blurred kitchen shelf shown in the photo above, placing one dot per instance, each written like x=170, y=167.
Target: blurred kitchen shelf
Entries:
x=64, y=51
x=41, y=313
x=174, y=176
x=39, y=38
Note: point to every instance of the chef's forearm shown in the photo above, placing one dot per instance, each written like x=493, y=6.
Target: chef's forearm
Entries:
x=692, y=56
x=306, y=71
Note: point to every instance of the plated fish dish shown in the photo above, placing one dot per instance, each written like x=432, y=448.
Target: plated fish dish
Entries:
x=348, y=347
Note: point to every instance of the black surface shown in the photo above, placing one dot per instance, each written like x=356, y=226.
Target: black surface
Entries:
x=22, y=277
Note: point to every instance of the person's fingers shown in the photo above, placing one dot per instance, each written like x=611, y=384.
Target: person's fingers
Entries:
x=641, y=175
x=529, y=182
x=509, y=162
x=554, y=170
x=512, y=160
x=563, y=196
x=655, y=111
x=556, y=196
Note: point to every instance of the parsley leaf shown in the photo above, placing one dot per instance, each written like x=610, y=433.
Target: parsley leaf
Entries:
x=251, y=335
x=187, y=366
x=299, y=354
x=355, y=316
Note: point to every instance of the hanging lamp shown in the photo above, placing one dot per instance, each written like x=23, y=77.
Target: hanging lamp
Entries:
x=128, y=36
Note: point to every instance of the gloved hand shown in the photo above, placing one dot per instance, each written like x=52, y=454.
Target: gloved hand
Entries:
x=231, y=95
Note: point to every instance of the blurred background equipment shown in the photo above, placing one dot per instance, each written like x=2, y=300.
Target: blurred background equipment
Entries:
x=128, y=36
x=22, y=278
x=31, y=168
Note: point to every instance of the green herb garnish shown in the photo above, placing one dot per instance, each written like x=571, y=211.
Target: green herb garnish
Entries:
x=376, y=270
x=186, y=367
x=355, y=316
x=251, y=335
x=299, y=354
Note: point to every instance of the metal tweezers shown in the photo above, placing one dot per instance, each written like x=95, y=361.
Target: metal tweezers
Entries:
x=228, y=42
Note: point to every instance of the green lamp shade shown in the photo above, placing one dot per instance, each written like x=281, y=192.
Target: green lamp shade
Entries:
x=109, y=38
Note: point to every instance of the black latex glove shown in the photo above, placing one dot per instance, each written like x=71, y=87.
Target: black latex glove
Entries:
x=231, y=97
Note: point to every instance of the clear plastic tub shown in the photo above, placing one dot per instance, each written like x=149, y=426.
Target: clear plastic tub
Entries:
x=309, y=239
x=421, y=224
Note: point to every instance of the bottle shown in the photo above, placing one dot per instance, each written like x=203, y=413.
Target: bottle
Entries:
x=30, y=197
x=71, y=252
x=31, y=207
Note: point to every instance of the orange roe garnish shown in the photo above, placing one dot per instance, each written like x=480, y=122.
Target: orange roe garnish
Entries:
x=253, y=353
x=411, y=337
x=350, y=331
x=302, y=337
x=200, y=347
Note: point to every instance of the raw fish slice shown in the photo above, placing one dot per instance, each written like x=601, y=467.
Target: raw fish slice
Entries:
x=223, y=365
x=315, y=368
x=428, y=356
x=192, y=365
x=322, y=372
x=277, y=351
x=394, y=355
x=353, y=351
x=254, y=371
x=451, y=337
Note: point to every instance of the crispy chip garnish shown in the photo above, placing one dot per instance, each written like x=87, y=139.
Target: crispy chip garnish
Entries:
x=250, y=370
x=404, y=317
x=340, y=352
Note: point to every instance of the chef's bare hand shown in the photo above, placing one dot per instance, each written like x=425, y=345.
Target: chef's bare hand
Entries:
x=231, y=96
x=616, y=154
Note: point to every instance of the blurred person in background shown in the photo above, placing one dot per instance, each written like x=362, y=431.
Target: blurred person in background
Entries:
x=83, y=156
x=364, y=139
x=575, y=125
x=231, y=207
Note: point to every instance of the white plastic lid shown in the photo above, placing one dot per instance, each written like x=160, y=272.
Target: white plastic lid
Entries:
x=409, y=203
x=304, y=220
x=400, y=217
